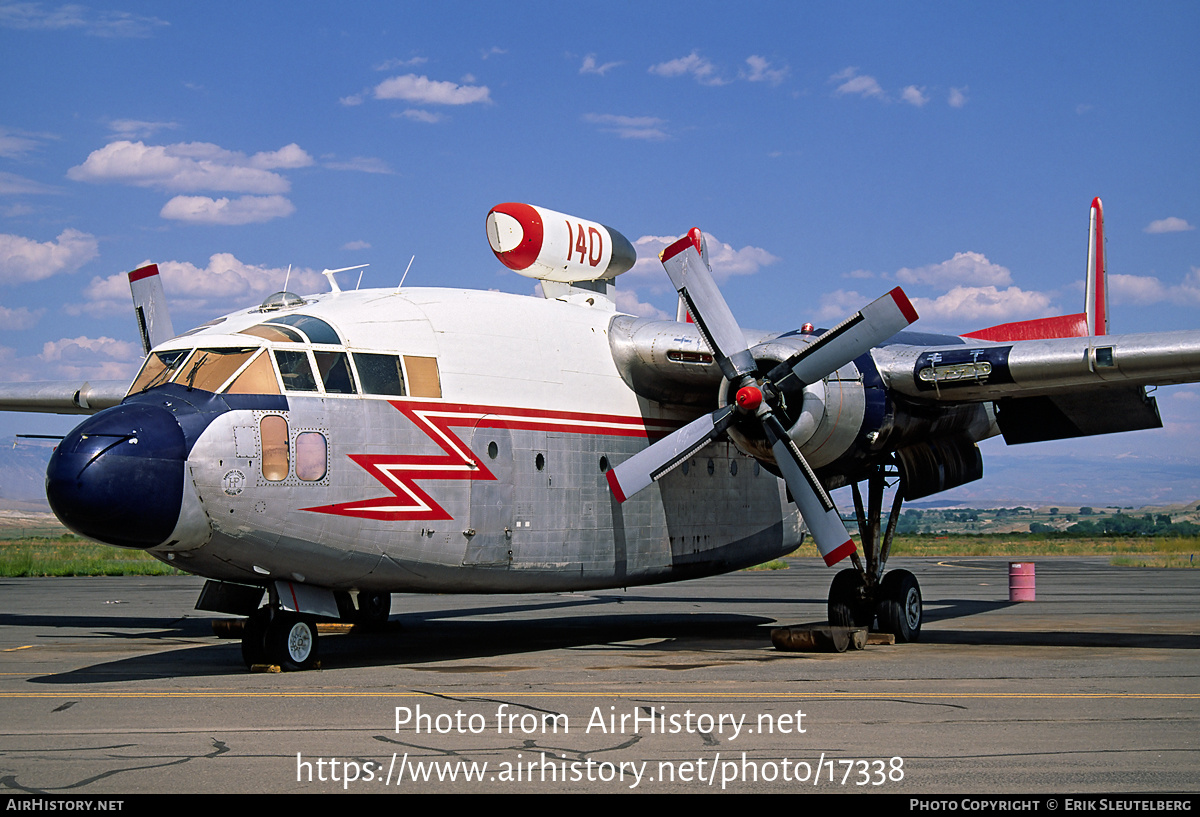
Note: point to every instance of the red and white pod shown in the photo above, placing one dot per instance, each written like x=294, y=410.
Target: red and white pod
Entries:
x=552, y=246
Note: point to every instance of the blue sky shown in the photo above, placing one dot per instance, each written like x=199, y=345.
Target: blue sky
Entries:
x=833, y=150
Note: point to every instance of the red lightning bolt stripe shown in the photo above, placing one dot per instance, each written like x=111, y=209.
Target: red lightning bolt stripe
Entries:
x=399, y=472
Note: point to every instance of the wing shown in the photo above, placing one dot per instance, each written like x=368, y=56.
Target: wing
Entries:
x=1048, y=389
x=62, y=396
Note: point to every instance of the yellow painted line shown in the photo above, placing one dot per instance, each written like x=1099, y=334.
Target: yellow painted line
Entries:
x=14, y=649
x=970, y=567
x=1045, y=696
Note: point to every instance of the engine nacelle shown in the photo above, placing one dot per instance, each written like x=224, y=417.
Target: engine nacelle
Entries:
x=825, y=419
x=550, y=246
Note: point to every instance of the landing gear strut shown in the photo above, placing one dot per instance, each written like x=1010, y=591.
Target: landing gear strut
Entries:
x=863, y=593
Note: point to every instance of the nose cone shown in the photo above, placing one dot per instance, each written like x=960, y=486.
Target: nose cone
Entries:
x=118, y=477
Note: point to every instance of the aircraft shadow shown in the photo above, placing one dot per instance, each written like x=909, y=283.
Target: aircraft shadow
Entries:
x=457, y=634
x=410, y=640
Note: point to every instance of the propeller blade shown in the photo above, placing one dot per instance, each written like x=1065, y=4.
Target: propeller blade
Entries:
x=693, y=280
x=652, y=463
x=858, y=334
x=818, y=510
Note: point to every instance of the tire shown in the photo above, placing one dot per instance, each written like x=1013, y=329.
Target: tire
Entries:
x=848, y=603
x=900, y=608
x=254, y=638
x=292, y=642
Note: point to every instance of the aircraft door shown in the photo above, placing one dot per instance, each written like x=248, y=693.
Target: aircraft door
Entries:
x=491, y=500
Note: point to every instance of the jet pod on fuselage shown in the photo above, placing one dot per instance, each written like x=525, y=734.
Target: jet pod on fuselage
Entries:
x=551, y=246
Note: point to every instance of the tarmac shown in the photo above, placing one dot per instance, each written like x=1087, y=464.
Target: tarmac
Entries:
x=118, y=686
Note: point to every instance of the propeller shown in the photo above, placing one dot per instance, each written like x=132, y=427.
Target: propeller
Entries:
x=686, y=264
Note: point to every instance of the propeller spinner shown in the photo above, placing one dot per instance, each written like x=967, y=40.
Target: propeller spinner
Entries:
x=685, y=263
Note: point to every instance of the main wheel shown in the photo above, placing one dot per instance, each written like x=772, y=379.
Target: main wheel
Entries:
x=292, y=642
x=849, y=605
x=899, y=606
x=254, y=637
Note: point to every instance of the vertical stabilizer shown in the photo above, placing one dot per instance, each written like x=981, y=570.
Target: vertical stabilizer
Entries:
x=150, y=307
x=1096, y=306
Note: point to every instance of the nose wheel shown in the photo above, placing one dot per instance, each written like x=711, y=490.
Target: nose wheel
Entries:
x=282, y=638
x=864, y=593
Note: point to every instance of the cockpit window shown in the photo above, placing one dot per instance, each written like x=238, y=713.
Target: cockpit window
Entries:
x=257, y=378
x=335, y=372
x=296, y=371
x=208, y=369
x=316, y=329
x=380, y=374
x=274, y=332
x=158, y=369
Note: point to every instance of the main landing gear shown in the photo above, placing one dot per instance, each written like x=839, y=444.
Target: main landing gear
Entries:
x=861, y=594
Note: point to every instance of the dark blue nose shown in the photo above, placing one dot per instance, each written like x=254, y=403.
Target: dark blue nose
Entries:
x=118, y=477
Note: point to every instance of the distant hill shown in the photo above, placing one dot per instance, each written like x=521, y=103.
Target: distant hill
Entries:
x=23, y=475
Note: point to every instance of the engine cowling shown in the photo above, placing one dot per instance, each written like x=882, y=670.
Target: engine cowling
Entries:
x=824, y=419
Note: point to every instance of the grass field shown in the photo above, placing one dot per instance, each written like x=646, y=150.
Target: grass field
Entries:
x=71, y=555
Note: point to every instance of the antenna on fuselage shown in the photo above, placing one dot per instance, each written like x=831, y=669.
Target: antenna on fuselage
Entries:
x=287, y=277
x=329, y=273
x=405, y=275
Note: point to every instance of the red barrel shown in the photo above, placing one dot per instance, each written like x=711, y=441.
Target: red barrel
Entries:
x=1021, y=581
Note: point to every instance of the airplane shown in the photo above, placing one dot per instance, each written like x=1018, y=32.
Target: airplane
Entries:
x=335, y=448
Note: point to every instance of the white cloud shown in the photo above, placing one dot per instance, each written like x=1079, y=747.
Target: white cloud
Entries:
x=957, y=97
x=23, y=259
x=628, y=302
x=353, y=99
x=494, y=51
x=356, y=245
x=138, y=128
x=288, y=156
x=418, y=115
x=225, y=283
x=761, y=70
x=629, y=127
x=988, y=304
x=73, y=17
x=190, y=166
x=964, y=268
x=388, y=65
x=93, y=358
x=591, y=67
x=1189, y=289
x=1144, y=289
x=426, y=91
x=15, y=144
x=362, y=164
x=914, y=96
x=701, y=69
x=1168, y=225
x=242, y=210
x=22, y=318
x=851, y=82
x=1135, y=289
x=725, y=261
x=840, y=304
x=13, y=185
